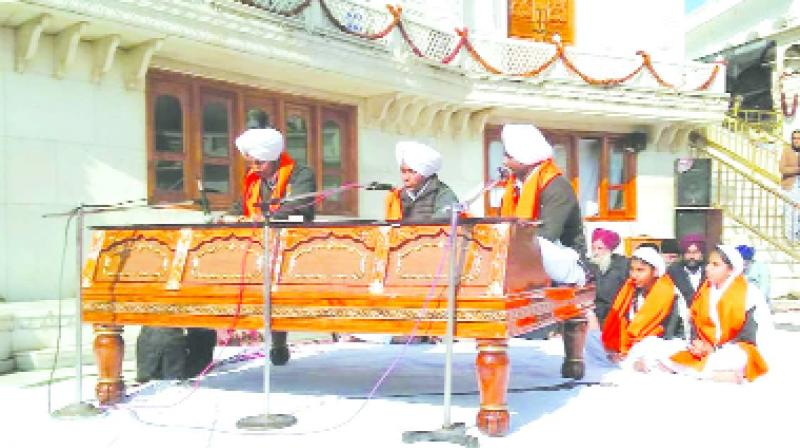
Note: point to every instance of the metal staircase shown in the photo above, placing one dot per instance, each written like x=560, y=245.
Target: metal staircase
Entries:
x=745, y=185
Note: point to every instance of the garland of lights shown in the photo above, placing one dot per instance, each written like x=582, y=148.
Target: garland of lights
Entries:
x=464, y=43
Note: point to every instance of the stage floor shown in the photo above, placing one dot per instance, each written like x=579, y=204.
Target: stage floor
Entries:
x=326, y=386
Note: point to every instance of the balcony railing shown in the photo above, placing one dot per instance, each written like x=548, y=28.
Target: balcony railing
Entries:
x=404, y=36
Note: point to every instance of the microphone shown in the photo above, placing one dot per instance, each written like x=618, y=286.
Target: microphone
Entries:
x=203, y=198
x=504, y=172
x=378, y=186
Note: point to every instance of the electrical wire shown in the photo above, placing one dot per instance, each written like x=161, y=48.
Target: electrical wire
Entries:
x=58, y=318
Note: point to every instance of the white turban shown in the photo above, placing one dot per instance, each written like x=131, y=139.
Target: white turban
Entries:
x=420, y=158
x=651, y=257
x=734, y=257
x=265, y=145
x=525, y=143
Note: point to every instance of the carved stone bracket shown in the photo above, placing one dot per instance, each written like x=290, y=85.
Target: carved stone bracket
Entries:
x=138, y=61
x=66, y=46
x=477, y=121
x=28, y=35
x=406, y=114
x=377, y=107
x=104, y=51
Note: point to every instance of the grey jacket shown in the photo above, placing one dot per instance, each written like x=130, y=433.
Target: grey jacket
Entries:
x=433, y=203
x=608, y=284
x=561, y=216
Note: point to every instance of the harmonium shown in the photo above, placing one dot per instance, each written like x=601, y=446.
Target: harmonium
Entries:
x=350, y=277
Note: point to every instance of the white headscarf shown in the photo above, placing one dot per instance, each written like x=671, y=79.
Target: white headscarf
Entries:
x=651, y=257
x=265, y=145
x=734, y=257
x=420, y=158
x=525, y=143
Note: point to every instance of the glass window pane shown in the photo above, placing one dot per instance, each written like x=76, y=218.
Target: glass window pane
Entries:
x=331, y=145
x=215, y=129
x=169, y=175
x=332, y=181
x=589, y=150
x=297, y=138
x=168, y=124
x=495, y=157
x=616, y=176
x=257, y=119
x=560, y=157
x=216, y=178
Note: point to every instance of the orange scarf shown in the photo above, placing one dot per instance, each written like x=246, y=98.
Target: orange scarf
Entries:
x=526, y=204
x=252, y=186
x=732, y=313
x=619, y=335
x=394, y=205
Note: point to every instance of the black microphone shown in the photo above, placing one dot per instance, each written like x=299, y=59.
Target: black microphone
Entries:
x=378, y=186
x=203, y=198
x=504, y=172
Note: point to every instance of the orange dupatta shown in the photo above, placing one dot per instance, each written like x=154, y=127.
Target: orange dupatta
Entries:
x=526, y=204
x=619, y=335
x=393, y=205
x=732, y=314
x=251, y=204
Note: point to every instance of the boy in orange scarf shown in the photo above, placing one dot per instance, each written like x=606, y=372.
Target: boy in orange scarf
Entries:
x=634, y=328
x=728, y=318
x=273, y=175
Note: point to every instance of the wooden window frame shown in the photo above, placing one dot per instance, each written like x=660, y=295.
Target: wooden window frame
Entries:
x=572, y=171
x=241, y=98
x=183, y=93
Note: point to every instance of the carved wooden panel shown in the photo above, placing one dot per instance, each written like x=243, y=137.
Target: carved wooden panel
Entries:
x=419, y=256
x=224, y=259
x=327, y=256
x=140, y=256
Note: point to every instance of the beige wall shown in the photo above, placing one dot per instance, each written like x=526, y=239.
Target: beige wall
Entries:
x=62, y=142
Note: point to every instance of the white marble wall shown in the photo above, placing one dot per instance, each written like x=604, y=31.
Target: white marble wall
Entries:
x=62, y=142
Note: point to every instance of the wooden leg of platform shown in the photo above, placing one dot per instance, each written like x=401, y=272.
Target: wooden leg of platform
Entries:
x=493, y=371
x=108, y=351
x=574, y=335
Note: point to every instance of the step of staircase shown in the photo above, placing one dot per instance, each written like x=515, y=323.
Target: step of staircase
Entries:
x=30, y=332
x=784, y=270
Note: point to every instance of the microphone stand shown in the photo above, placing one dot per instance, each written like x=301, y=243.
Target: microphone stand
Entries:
x=451, y=432
x=81, y=408
x=267, y=420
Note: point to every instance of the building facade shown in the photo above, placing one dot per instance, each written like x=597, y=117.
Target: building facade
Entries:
x=135, y=101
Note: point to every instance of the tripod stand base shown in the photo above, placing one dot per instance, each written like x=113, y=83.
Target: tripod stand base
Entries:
x=455, y=433
x=76, y=410
x=266, y=421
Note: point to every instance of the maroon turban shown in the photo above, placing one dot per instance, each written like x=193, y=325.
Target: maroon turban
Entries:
x=693, y=238
x=609, y=238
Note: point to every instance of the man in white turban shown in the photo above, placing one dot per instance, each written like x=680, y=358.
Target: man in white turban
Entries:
x=423, y=196
x=273, y=177
x=537, y=190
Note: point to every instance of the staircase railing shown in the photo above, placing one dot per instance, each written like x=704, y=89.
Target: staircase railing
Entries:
x=764, y=209
x=767, y=121
x=739, y=141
